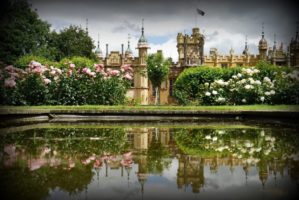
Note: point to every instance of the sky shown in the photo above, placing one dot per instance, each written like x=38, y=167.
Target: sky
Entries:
x=224, y=25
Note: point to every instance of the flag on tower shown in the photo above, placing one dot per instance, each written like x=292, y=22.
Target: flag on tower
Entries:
x=202, y=13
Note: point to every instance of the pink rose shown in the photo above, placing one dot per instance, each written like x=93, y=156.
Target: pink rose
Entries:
x=128, y=76
x=10, y=83
x=114, y=72
x=47, y=81
x=9, y=68
x=72, y=66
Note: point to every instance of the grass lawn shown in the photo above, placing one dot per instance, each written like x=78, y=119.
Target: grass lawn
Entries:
x=123, y=107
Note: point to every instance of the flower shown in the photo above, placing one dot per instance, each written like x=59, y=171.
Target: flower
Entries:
x=214, y=92
x=72, y=66
x=114, y=72
x=214, y=139
x=208, y=137
x=262, y=99
x=10, y=83
x=248, y=87
x=239, y=75
x=9, y=68
x=128, y=76
x=220, y=99
x=272, y=92
x=257, y=82
x=267, y=93
x=35, y=64
x=208, y=94
x=266, y=79
x=244, y=100
x=47, y=81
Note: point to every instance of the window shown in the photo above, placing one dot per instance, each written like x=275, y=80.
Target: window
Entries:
x=224, y=65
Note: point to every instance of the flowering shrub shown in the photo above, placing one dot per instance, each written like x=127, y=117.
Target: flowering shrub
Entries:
x=39, y=84
x=251, y=146
x=242, y=86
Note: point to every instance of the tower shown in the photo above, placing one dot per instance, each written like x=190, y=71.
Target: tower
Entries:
x=263, y=46
x=86, y=28
x=246, y=51
x=190, y=48
x=140, y=78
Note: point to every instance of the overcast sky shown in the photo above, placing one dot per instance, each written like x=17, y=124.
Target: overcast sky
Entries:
x=224, y=24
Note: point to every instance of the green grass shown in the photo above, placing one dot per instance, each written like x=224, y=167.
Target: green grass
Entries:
x=196, y=108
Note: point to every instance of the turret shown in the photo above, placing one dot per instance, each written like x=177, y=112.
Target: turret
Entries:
x=246, y=51
x=129, y=53
x=98, y=50
x=263, y=46
x=141, y=81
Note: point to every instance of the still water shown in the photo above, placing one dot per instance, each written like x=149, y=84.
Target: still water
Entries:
x=146, y=162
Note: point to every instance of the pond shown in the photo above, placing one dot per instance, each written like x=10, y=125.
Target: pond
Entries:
x=98, y=161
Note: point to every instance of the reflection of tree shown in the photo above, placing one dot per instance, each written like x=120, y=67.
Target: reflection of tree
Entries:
x=157, y=155
x=44, y=159
x=25, y=184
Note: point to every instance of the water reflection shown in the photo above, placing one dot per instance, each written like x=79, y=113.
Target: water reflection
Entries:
x=149, y=162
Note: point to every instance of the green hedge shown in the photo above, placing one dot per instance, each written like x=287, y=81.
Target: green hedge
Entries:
x=23, y=61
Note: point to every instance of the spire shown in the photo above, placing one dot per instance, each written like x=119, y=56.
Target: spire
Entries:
x=142, y=37
x=98, y=50
x=263, y=35
x=129, y=37
x=86, y=28
x=297, y=37
x=246, y=47
x=274, y=47
x=142, y=29
x=129, y=51
x=231, y=51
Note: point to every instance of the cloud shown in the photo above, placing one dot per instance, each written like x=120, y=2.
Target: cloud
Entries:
x=169, y=49
x=127, y=26
x=225, y=23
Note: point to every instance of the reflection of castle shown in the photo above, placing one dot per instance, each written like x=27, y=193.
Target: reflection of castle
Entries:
x=191, y=53
x=190, y=171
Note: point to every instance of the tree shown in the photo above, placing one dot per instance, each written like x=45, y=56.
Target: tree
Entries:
x=22, y=32
x=157, y=71
x=71, y=41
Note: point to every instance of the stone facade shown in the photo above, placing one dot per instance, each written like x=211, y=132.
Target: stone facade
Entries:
x=191, y=54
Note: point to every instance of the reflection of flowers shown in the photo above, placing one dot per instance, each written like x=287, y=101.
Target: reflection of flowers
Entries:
x=250, y=145
x=127, y=159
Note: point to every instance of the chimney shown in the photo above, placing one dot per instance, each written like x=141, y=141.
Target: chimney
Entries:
x=107, y=50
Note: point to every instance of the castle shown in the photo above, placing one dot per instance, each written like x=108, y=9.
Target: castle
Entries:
x=191, y=53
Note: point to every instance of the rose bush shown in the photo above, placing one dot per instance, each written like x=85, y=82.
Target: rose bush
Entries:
x=42, y=84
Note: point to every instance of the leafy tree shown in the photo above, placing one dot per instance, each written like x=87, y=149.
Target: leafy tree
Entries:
x=157, y=71
x=22, y=32
x=71, y=41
